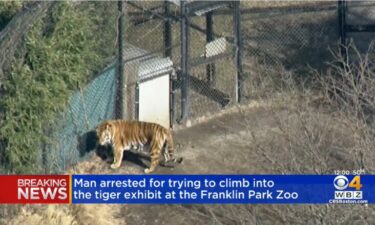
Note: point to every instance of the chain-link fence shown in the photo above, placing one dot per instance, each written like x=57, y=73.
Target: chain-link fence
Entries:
x=360, y=15
x=73, y=134
x=212, y=72
x=294, y=35
x=209, y=82
x=152, y=49
x=297, y=38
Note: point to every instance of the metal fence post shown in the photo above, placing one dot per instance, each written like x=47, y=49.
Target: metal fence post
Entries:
x=238, y=49
x=184, y=62
x=341, y=13
x=167, y=31
x=210, y=37
x=168, y=53
x=45, y=157
x=120, y=106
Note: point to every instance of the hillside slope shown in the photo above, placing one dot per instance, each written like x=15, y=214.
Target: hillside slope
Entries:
x=266, y=139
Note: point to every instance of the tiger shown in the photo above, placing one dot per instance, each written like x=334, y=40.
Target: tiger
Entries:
x=124, y=135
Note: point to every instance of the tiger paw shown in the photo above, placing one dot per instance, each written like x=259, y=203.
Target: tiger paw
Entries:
x=147, y=170
x=172, y=162
x=179, y=160
x=114, y=166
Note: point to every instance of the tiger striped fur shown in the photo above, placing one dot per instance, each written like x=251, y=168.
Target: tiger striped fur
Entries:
x=125, y=135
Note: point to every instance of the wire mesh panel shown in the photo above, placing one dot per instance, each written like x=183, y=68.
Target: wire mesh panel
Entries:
x=144, y=27
x=205, y=48
x=73, y=135
x=87, y=108
x=360, y=13
x=212, y=72
x=295, y=35
x=156, y=27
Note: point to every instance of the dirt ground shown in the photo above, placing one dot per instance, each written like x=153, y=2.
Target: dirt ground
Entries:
x=252, y=141
x=218, y=146
x=214, y=147
x=248, y=141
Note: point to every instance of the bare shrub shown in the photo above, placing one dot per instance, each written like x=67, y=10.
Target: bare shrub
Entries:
x=318, y=131
x=350, y=82
x=349, y=88
x=327, y=122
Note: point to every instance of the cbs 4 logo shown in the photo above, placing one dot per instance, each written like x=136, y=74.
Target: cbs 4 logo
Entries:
x=341, y=183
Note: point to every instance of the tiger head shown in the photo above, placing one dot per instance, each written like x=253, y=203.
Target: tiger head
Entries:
x=105, y=133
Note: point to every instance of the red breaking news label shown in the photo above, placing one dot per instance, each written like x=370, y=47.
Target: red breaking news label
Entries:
x=35, y=189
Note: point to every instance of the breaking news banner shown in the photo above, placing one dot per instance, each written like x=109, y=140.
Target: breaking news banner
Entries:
x=189, y=189
x=35, y=189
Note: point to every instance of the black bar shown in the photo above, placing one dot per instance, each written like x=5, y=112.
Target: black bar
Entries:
x=359, y=28
x=45, y=147
x=184, y=63
x=193, y=6
x=204, y=61
x=167, y=32
x=168, y=53
x=166, y=17
x=145, y=10
x=210, y=69
x=140, y=21
x=120, y=105
x=172, y=102
x=238, y=49
x=342, y=22
x=205, y=89
x=283, y=10
x=209, y=27
x=136, y=113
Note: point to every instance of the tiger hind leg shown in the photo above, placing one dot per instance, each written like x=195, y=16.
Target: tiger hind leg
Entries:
x=169, y=151
x=169, y=159
x=154, y=163
x=155, y=153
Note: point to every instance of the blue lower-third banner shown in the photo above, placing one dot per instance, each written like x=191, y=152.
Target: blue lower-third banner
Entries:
x=223, y=189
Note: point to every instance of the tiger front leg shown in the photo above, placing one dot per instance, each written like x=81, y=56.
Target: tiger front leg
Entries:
x=118, y=154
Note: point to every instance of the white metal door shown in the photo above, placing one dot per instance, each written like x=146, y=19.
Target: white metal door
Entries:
x=154, y=100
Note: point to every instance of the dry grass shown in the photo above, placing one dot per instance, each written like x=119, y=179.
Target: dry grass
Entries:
x=67, y=215
x=51, y=215
x=92, y=214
